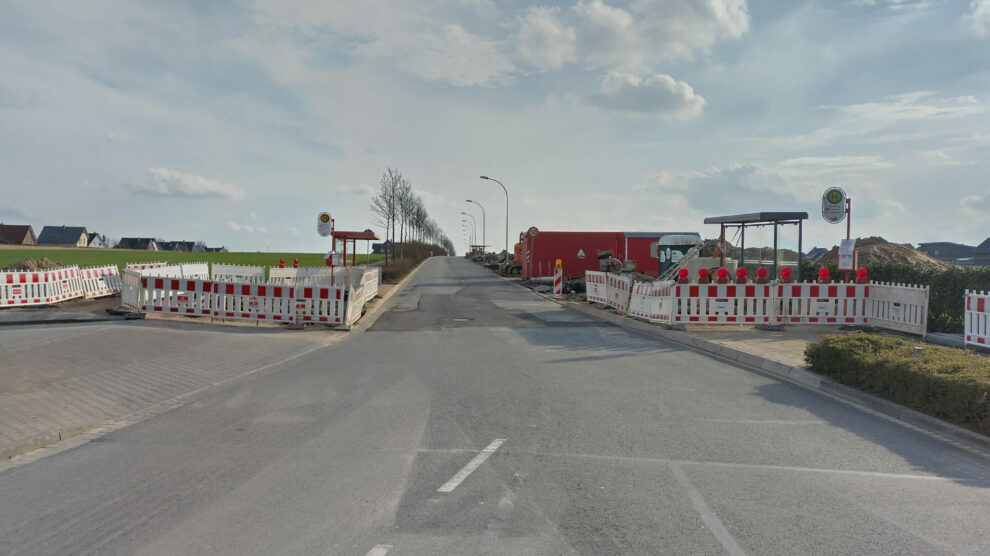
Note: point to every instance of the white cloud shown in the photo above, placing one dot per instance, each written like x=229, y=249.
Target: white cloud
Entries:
x=361, y=189
x=980, y=16
x=660, y=94
x=172, y=183
x=544, y=42
x=249, y=228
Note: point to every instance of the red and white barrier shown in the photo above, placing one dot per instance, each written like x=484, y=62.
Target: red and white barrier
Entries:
x=722, y=303
x=558, y=280
x=618, y=289
x=594, y=286
x=145, y=266
x=238, y=273
x=821, y=303
x=977, y=325
x=24, y=288
x=652, y=301
x=254, y=301
x=100, y=281
x=899, y=307
x=174, y=295
x=65, y=283
x=319, y=304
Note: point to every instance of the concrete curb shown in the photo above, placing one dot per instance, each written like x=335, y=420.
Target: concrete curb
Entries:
x=40, y=441
x=797, y=375
x=64, y=320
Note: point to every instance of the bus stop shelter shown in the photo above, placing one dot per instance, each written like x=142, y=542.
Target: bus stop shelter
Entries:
x=758, y=220
x=353, y=237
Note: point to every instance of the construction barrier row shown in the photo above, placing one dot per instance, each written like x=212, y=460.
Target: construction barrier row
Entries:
x=894, y=306
x=977, y=324
x=45, y=287
x=100, y=281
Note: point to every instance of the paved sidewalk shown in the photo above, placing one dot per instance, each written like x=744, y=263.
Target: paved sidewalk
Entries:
x=74, y=310
x=60, y=380
x=786, y=346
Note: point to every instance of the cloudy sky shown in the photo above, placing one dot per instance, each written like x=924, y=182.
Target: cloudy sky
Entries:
x=235, y=123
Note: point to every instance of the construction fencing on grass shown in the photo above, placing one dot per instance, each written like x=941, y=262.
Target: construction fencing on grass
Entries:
x=894, y=306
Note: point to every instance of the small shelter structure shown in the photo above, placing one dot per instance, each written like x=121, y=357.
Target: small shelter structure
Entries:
x=353, y=237
x=757, y=220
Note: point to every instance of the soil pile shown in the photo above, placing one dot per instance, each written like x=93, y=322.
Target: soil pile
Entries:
x=29, y=265
x=872, y=250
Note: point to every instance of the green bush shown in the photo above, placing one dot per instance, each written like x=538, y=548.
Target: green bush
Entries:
x=946, y=294
x=948, y=383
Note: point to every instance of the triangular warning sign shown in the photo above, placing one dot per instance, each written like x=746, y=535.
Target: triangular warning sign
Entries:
x=580, y=253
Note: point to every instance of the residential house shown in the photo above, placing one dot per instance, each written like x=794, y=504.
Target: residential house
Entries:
x=139, y=243
x=981, y=254
x=382, y=248
x=64, y=236
x=17, y=234
x=97, y=241
x=214, y=249
x=957, y=253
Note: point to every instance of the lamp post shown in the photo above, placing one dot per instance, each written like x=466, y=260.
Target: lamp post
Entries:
x=484, y=225
x=506, y=213
x=474, y=231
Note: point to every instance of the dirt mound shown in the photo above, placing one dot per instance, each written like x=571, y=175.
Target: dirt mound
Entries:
x=28, y=265
x=873, y=250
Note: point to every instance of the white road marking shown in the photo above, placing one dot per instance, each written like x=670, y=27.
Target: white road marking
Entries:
x=471, y=466
x=714, y=524
x=379, y=550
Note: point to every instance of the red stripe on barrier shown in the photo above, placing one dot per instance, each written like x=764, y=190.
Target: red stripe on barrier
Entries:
x=262, y=291
x=159, y=284
x=230, y=290
x=750, y=291
x=812, y=319
x=174, y=285
x=338, y=297
x=730, y=291
x=308, y=293
x=245, y=289
x=750, y=319
x=850, y=319
x=205, y=312
x=157, y=309
x=261, y=317
x=173, y=309
x=324, y=293
x=693, y=319
x=831, y=319
x=980, y=304
x=693, y=291
x=981, y=340
x=190, y=311
x=730, y=319
x=230, y=314
x=307, y=318
x=245, y=315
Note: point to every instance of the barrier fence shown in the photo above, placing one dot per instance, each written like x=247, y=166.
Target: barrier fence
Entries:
x=977, y=324
x=238, y=273
x=41, y=287
x=100, y=281
x=894, y=306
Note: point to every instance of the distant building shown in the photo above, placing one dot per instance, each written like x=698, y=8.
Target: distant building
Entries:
x=139, y=243
x=981, y=254
x=382, y=248
x=214, y=250
x=957, y=253
x=814, y=254
x=97, y=241
x=17, y=234
x=64, y=236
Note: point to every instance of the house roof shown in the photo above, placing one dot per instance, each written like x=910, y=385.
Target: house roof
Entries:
x=92, y=236
x=134, y=242
x=61, y=234
x=983, y=247
x=14, y=233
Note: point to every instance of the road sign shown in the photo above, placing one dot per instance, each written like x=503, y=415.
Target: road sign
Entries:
x=834, y=205
x=847, y=255
x=324, y=224
x=580, y=254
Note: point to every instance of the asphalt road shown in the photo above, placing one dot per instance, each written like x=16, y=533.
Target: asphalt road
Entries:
x=611, y=443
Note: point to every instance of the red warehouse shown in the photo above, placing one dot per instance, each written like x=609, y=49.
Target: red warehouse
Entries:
x=578, y=251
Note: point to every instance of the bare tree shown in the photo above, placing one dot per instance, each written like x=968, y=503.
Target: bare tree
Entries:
x=385, y=205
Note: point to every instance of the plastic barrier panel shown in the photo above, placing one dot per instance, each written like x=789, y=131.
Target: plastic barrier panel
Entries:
x=238, y=273
x=130, y=289
x=723, y=303
x=196, y=271
x=176, y=295
x=254, y=301
x=618, y=289
x=306, y=276
x=354, y=306
x=100, y=281
x=898, y=307
x=24, y=288
x=594, y=284
x=369, y=282
x=144, y=266
x=652, y=301
x=821, y=303
x=319, y=304
x=977, y=330
x=65, y=283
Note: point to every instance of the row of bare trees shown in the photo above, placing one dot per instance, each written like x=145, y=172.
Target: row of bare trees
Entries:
x=398, y=208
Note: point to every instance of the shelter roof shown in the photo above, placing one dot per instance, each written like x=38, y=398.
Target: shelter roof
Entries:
x=367, y=234
x=757, y=218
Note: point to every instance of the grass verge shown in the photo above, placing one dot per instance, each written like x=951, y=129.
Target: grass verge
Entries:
x=948, y=383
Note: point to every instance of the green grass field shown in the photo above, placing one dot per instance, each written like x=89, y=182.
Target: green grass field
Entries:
x=120, y=257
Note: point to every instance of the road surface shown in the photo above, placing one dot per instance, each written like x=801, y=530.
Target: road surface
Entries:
x=474, y=417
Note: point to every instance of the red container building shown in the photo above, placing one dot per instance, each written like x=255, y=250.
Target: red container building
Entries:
x=578, y=251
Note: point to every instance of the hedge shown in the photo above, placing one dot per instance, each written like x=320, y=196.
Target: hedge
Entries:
x=946, y=305
x=948, y=383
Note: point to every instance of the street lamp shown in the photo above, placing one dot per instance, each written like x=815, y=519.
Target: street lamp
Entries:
x=506, y=213
x=474, y=230
x=484, y=225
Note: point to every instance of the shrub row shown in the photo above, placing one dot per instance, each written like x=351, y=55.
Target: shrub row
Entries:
x=948, y=383
x=412, y=253
x=946, y=305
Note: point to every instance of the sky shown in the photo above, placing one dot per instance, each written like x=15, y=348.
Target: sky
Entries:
x=235, y=123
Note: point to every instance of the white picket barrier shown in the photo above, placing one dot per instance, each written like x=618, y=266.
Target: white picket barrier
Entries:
x=319, y=304
x=977, y=324
x=65, y=283
x=261, y=302
x=370, y=278
x=354, y=306
x=130, y=289
x=618, y=289
x=196, y=271
x=145, y=266
x=594, y=285
x=175, y=295
x=305, y=276
x=238, y=273
x=722, y=303
x=100, y=281
x=898, y=307
x=821, y=303
x=652, y=301
x=24, y=288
